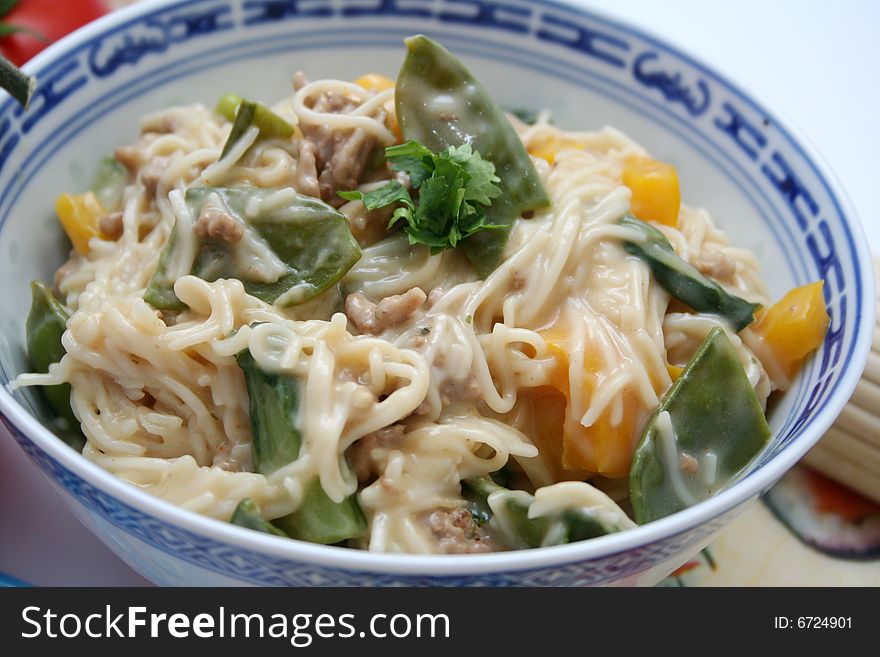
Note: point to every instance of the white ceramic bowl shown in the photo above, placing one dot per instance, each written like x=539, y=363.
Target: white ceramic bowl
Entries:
x=763, y=185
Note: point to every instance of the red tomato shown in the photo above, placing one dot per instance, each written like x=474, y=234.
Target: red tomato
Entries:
x=51, y=18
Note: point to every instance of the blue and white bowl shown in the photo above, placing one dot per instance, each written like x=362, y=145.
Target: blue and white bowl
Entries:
x=763, y=185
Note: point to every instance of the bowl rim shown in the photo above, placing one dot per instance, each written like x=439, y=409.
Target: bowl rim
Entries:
x=751, y=486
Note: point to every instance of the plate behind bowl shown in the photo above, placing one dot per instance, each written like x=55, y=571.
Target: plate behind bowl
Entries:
x=762, y=185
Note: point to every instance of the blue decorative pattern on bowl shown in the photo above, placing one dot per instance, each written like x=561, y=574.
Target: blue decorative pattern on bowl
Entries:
x=764, y=188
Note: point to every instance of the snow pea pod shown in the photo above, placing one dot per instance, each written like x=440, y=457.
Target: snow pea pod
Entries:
x=321, y=520
x=109, y=183
x=514, y=505
x=507, y=513
x=293, y=247
x=684, y=282
x=227, y=105
x=707, y=429
x=251, y=113
x=274, y=402
x=440, y=104
x=247, y=514
x=46, y=323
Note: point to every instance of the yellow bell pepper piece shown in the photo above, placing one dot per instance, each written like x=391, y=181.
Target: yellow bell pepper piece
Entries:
x=547, y=406
x=674, y=371
x=378, y=83
x=655, y=191
x=794, y=326
x=550, y=148
x=375, y=82
x=80, y=216
x=606, y=447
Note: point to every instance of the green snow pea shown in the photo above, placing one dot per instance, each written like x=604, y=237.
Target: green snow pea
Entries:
x=520, y=531
x=274, y=401
x=523, y=531
x=247, y=514
x=227, y=105
x=110, y=180
x=714, y=428
x=46, y=323
x=313, y=240
x=684, y=282
x=321, y=520
x=440, y=104
x=247, y=113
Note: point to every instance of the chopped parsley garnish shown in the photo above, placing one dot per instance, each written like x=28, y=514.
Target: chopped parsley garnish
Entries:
x=455, y=188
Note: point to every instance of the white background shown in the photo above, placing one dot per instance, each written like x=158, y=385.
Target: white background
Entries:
x=815, y=62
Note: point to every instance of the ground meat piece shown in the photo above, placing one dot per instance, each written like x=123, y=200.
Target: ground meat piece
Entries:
x=456, y=532
x=362, y=313
x=715, y=264
x=423, y=409
x=361, y=454
x=395, y=310
x=307, y=170
x=341, y=156
x=348, y=162
x=689, y=465
x=334, y=104
x=324, y=141
x=373, y=318
x=151, y=173
x=215, y=224
x=132, y=157
x=459, y=390
x=128, y=156
x=110, y=225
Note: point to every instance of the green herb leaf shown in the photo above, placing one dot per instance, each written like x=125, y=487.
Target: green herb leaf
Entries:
x=393, y=192
x=455, y=188
x=481, y=187
x=467, y=115
x=413, y=158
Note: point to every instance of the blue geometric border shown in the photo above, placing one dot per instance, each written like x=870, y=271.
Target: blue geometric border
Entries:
x=259, y=568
